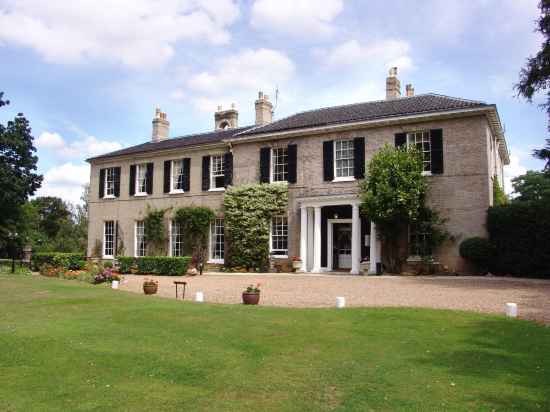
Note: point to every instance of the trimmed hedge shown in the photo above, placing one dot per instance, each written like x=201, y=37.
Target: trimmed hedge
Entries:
x=520, y=233
x=154, y=265
x=71, y=261
x=477, y=250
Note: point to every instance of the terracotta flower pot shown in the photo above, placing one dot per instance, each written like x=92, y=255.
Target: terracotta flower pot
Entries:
x=150, y=288
x=251, y=298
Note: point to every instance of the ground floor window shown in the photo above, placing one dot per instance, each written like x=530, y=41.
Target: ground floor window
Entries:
x=141, y=245
x=217, y=240
x=109, y=239
x=279, y=236
x=176, y=239
x=419, y=242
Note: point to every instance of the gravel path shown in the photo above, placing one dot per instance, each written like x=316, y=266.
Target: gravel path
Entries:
x=480, y=294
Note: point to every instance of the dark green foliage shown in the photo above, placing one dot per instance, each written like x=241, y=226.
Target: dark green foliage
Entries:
x=532, y=186
x=18, y=179
x=72, y=261
x=248, y=213
x=154, y=265
x=52, y=213
x=478, y=251
x=544, y=154
x=520, y=232
x=153, y=226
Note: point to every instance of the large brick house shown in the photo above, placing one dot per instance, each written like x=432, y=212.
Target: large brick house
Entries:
x=321, y=154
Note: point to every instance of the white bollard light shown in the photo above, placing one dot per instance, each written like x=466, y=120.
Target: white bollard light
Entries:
x=199, y=297
x=114, y=284
x=511, y=310
x=340, y=302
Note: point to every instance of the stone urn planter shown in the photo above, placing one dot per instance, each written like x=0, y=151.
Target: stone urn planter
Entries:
x=296, y=264
x=251, y=295
x=150, y=287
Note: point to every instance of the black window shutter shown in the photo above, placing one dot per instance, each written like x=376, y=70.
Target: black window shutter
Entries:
x=117, y=181
x=167, y=172
x=205, y=173
x=265, y=160
x=149, y=178
x=186, y=174
x=132, y=180
x=359, y=157
x=292, y=152
x=228, y=169
x=101, y=183
x=436, y=141
x=400, y=139
x=328, y=160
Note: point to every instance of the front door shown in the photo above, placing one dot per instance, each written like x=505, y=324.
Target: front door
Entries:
x=342, y=245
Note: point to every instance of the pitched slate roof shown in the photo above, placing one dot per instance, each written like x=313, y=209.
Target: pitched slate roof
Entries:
x=424, y=103
x=215, y=136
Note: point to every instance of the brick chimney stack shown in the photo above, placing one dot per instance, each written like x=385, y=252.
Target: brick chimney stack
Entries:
x=409, y=90
x=393, y=85
x=226, y=119
x=264, y=109
x=161, y=126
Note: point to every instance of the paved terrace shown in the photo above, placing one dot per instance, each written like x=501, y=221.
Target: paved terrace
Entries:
x=480, y=294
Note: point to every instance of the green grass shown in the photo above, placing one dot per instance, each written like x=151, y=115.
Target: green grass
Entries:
x=5, y=268
x=70, y=346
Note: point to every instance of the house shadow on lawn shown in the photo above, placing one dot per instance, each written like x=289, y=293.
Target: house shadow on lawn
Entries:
x=501, y=354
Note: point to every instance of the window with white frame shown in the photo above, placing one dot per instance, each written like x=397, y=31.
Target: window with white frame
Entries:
x=279, y=236
x=141, y=179
x=421, y=140
x=343, y=158
x=110, y=181
x=176, y=239
x=279, y=164
x=217, y=172
x=419, y=241
x=217, y=239
x=141, y=245
x=177, y=176
x=109, y=239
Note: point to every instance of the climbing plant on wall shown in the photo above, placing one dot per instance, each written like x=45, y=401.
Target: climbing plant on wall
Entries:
x=248, y=213
x=153, y=225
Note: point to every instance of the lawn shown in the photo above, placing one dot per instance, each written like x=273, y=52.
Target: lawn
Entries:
x=71, y=346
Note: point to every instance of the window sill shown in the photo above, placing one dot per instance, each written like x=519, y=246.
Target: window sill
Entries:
x=278, y=181
x=217, y=189
x=344, y=179
x=140, y=194
x=109, y=197
x=176, y=192
x=418, y=259
x=426, y=173
x=108, y=257
x=215, y=261
x=279, y=256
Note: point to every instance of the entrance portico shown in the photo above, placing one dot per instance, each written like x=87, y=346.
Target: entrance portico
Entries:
x=324, y=235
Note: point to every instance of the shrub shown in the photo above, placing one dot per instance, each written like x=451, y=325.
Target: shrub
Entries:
x=72, y=261
x=161, y=265
x=125, y=263
x=108, y=264
x=519, y=231
x=477, y=250
x=51, y=271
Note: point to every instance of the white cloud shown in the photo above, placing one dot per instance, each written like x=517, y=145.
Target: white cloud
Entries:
x=296, y=17
x=135, y=33
x=65, y=181
x=388, y=52
x=238, y=78
x=78, y=149
x=515, y=168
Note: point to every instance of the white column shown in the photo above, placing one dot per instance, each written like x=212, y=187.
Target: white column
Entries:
x=355, y=241
x=303, y=237
x=317, y=240
x=373, y=246
x=310, y=227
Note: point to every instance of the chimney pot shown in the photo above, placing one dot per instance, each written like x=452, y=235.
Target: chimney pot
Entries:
x=409, y=90
x=393, y=85
x=264, y=109
x=161, y=126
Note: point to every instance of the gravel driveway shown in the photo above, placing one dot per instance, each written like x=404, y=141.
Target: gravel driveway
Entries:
x=480, y=294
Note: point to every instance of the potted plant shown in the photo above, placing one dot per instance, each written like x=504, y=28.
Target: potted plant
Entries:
x=150, y=286
x=296, y=263
x=251, y=295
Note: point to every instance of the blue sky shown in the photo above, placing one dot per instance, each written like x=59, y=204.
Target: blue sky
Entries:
x=88, y=74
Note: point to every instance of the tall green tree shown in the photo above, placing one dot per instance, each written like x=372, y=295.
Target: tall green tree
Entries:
x=535, y=76
x=531, y=187
x=53, y=214
x=18, y=177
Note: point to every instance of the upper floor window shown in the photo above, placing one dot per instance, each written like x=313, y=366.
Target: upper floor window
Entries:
x=217, y=172
x=141, y=245
x=141, y=179
x=109, y=239
x=176, y=239
x=279, y=236
x=110, y=182
x=279, y=164
x=421, y=140
x=177, y=176
x=343, y=159
x=217, y=240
